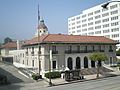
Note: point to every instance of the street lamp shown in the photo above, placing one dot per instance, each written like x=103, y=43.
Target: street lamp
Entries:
x=50, y=60
x=106, y=4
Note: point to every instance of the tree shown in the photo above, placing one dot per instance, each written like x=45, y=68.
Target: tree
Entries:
x=7, y=39
x=98, y=57
x=118, y=52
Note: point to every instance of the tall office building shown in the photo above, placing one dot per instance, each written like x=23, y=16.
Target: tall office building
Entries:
x=97, y=21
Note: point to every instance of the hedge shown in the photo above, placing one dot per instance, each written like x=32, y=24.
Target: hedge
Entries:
x=36, y=76
x=53, y=75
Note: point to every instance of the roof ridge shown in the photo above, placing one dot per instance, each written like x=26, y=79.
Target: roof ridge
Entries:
x=45, y=37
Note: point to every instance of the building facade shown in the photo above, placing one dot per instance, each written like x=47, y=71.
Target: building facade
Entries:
x=68, y=51
x=97, y=21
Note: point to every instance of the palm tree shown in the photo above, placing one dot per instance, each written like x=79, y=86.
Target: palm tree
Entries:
x=98, y=57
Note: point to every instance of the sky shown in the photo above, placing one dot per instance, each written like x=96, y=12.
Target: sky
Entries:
x=18, y=18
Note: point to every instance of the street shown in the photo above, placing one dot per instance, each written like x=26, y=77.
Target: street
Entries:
x=111, y=83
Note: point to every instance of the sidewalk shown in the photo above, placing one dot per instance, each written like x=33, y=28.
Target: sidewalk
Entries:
x=60, y=81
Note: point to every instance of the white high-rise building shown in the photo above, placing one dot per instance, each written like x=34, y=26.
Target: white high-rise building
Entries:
x=97, y=21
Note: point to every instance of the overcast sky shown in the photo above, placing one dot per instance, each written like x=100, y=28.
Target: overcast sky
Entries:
x=18, y=18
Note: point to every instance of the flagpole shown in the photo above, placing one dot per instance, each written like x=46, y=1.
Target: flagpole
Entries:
x=39, y=62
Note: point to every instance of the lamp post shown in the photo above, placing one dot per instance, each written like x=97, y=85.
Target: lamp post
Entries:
x=106, y=4
x=50, y=60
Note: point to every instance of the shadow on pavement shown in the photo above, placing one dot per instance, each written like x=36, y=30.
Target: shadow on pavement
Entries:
x=11, y=78
x=10, y=87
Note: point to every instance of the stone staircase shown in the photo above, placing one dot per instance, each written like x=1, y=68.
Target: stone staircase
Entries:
x=91, y=71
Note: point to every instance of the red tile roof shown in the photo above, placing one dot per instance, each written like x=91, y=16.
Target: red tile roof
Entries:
x=10, y=45
x=62, y=38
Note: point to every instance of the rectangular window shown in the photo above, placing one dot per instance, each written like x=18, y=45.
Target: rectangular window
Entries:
x=83, y=16
x=89, y=14
x=113, y=6
x=54, y=64
x=97, y=22
x=27, y=61
x=98, y=32
x=114, y=24
x=115, y=35
x=84, y=29
x=105, y=20
x=98, y=16
x=114, y=12
x=78, y=48
x=32, y=51
x=106, y=31
x=99, y=48
x=33, y=63
x=114, y=18
x=110, y=49
x=78, y=17
x=53, y=48
x=79, y=26
x=98, y=27
x=91, y=33
x=78, y=31
x=84, y=20
x=105, y=25
x=85, y=48
x=91, y=18
x=105, y=14
x=73, y=19
x=96, y=12
x=39, y=50
x=91, y=23
x=114, y=29
x=84, y=25
x=70, y=48
x=78, y=22
x=90, y=28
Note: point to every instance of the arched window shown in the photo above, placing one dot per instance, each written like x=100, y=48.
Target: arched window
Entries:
x=85, y=62
x=70, y=63
x=92, y=63
x=78, y=63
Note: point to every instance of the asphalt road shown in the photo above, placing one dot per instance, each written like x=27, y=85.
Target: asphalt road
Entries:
x=111, y=83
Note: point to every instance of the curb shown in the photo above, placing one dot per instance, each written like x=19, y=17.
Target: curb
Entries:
x=82, y=80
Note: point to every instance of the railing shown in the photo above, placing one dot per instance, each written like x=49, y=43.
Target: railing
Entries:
x=54, y=52
x=110, y=50
x=82, y=51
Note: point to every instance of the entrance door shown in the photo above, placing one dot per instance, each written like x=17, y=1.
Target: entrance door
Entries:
x=85, y=62
x=78, y=63
x=70, y=63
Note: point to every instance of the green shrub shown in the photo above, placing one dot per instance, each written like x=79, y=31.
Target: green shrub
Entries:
x=36, y=76
x=118, y=52
x=53, y=75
